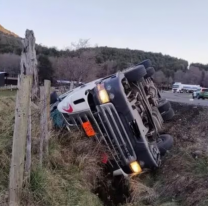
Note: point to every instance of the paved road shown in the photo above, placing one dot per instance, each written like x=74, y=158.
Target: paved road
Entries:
x=183, y=98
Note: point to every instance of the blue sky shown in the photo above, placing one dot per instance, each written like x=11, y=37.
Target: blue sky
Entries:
x=175, y=27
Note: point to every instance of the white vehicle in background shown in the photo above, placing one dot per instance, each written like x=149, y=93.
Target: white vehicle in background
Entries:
x=178, y=87
x=190, y=88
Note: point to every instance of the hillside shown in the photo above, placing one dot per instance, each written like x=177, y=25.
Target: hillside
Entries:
x=126, y=57
x=5, y=31
x=201, y=66
x=9, y=41
x=100, y=61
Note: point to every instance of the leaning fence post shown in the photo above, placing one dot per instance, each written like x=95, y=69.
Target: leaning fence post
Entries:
x=19, y=140
x=47, y=86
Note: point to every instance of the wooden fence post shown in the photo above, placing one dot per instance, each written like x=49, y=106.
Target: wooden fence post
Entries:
x=29, y=143
x=28, y=66
x=47, y=86
x=19, y=140
x=45, y=118
x=42, y=119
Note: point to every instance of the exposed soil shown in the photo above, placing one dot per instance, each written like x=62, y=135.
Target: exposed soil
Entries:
x=189, y=125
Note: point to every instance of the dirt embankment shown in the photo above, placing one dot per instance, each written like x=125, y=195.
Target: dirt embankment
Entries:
x=183, y=177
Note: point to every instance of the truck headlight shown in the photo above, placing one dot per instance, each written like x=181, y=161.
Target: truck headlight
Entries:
x=135, y=167
x=102, y=93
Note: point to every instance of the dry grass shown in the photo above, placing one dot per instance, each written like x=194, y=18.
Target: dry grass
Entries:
x=70, y=173
x=182, y=179
x=142, y=193
x=6, y=132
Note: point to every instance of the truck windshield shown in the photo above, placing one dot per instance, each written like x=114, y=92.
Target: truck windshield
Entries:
x=175, y=86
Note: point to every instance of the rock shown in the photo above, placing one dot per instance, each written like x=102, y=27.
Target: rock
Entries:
x=196, y=154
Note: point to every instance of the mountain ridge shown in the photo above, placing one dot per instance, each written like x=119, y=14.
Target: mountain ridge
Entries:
x=6, y=31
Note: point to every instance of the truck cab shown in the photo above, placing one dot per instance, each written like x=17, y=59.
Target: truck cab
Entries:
x=177, y=87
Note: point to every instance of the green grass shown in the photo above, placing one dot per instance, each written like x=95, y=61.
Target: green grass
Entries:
x=7, y=93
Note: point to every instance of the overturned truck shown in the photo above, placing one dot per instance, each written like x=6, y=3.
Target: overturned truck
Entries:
x=123, y=111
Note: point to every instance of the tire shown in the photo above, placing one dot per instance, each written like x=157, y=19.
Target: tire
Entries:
x=53, y=97
x=165, y=143
x=150, y=72
x=135, y=74
x=163, y=105
x=157, y=123
x=168, y=115
x=146, y=63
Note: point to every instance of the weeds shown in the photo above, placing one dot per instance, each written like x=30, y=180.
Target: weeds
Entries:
x=65, y=180
x=70, y=173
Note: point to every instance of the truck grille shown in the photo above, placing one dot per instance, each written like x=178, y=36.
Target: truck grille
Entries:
x=115, y=132
x=109, y=130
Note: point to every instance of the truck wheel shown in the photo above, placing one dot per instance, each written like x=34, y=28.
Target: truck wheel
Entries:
x=168, y=115
x=150, y=72
x=157, y=123
x=165, y=142
x=155, y=151
x=135, y=74
x=163, y=105
x=53, y=97
x=146, y=63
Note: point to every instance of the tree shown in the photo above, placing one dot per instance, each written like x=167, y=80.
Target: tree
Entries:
x=170, y=80
x=81, y=44
x=205, y=80
x=10, y=63
x=82, y=68
x=160, y=78
x=193, y=76
x=200, y=66
x=107, y=68
x=179, y=76
x=45, y=68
